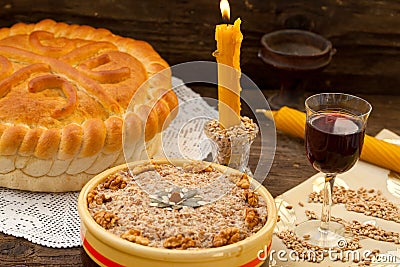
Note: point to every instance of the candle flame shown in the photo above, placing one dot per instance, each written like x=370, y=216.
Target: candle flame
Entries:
x=225, y=10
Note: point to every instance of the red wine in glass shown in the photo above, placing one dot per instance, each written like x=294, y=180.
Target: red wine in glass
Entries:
x=334, y=141
x=335, y=128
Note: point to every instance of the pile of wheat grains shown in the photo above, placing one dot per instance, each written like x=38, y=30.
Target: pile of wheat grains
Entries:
x=370, y=202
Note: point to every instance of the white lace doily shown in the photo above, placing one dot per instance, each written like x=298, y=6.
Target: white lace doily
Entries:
x=51, y=219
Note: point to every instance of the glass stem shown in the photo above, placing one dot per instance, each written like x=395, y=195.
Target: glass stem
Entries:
x=327, y=201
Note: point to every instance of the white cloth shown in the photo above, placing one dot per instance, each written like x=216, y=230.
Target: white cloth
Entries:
x=52, y=220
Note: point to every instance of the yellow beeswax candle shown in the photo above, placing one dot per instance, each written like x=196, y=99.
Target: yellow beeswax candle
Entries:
x=229, y=39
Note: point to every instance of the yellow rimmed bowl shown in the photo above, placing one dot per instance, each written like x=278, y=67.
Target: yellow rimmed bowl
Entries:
x=107, y=249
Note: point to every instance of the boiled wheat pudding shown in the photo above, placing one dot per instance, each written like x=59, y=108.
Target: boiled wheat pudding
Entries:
x=195, y=206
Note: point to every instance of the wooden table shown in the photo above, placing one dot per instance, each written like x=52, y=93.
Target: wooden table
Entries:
x=290, y=167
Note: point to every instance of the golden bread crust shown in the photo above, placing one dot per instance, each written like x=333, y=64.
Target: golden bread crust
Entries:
x=64, y=90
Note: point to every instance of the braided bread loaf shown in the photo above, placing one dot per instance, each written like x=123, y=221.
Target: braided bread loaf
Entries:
x=64, y=97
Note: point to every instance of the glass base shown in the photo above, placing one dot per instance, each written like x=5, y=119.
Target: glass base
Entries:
x=311, y=232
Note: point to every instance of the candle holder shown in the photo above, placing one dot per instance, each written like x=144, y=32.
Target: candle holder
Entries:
x=294, y=55
x=231, y=147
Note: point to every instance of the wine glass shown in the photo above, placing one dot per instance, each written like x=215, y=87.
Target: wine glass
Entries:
x=334, y=136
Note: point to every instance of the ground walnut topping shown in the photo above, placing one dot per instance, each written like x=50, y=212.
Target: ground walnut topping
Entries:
x=226, y=237
x=115, y=181
x=252, y=218
x=135, y=236
x=105, y=219
x=241, y=180
x=98, y=198
x=179, y=242
x=251, y=197
x=190, y=207
x=91, y=195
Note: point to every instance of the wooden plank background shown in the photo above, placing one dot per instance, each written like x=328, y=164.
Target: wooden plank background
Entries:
x=366, y=33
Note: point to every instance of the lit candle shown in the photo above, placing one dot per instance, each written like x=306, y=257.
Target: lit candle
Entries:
x=229, y=39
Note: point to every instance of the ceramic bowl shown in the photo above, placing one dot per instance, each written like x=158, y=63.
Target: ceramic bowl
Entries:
x=107, y=249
